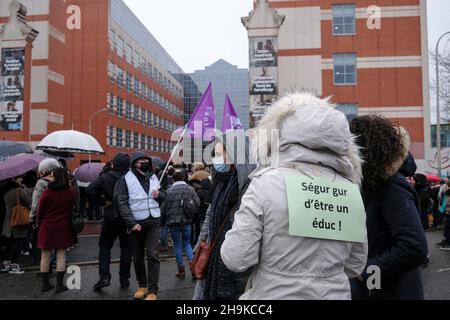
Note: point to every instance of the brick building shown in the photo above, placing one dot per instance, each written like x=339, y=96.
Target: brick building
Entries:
x=340, y=48
x=112, y=61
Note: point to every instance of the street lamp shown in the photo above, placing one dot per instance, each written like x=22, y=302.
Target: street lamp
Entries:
x=438, y=110
x=90, y=123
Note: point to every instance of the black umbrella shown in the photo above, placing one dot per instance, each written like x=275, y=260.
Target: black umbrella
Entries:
x=8, y=149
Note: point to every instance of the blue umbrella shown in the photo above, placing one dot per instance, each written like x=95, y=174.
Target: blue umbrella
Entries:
x=19, y=165
x=9, y=149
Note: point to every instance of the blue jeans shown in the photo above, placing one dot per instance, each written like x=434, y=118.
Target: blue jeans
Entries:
x=164, y=235
x=182, y=236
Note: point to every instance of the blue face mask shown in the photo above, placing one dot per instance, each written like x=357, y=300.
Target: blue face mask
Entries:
x=220, y=165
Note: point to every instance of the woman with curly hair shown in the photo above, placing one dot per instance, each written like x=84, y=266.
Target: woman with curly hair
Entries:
x=397, y=242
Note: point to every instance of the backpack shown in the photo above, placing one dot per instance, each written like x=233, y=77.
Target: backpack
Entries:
x=189, y=207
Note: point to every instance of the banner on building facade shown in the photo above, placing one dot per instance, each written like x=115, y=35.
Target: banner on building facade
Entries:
x=264, y=81
x=264, y=52
x=263, y=76
x=12, y=82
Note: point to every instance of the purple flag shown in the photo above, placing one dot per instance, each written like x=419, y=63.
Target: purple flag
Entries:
x=230, y=120
x=203, y=120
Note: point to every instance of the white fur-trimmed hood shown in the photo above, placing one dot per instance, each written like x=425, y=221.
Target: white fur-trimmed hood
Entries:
x=310, y=130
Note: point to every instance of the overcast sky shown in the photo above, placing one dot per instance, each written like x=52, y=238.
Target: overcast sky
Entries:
x=196, y=33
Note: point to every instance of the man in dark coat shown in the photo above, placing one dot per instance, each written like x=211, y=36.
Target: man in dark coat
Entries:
x=113, y=226
x=423, y=191
x=138, y=196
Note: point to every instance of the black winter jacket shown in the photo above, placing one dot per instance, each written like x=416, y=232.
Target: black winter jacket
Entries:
x=397, y=243
x=102, y=190
x=203, y=195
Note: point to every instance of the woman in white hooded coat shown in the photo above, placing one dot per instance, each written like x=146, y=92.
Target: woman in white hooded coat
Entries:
x=314, y=140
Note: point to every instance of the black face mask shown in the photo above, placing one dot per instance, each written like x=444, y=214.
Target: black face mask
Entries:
x=145, y=167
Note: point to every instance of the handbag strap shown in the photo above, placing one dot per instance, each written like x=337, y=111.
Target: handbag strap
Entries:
x=18, y=196
x=232, y=211
x=75, y=211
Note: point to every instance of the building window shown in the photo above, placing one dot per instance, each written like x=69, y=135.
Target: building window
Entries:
x=119, y=138
x=143, y=142
x=152, y=143
x=128, y=53
x=136, y=58
x=129, y=81
x=150, y=70
x=149, y=94
x=149, y=143
x=110, y=101
x=128, y=110
x=143, y=90
x=445, y=136
x=136, y=140
x=344, y=69
x=149, y=118
x=110, y=136
x=111, y=38
x=136, y=114
x=344, y=19
x=152, y=93
x=120, y=46
x=119, y=107
x=136, y=86
x=143, y=113
x=349, y=109
x=120, y=77
x=127, y=139
x=143, y=66
x=111, y=71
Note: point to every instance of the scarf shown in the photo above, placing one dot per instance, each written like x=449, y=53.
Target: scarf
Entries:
x=219, y=281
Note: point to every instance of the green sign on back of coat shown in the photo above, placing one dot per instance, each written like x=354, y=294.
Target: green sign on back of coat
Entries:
x=323, y=209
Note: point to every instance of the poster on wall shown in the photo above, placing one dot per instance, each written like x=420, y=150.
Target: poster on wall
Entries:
x=263, y=84
x=264, y=81
x=264, y=52
x=13, y=62
x=12, y=88
x=11, y=114
x=12, y=82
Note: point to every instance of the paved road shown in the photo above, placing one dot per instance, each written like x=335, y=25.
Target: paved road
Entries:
x=436, y=277
x=19, y=287
x=27, y=286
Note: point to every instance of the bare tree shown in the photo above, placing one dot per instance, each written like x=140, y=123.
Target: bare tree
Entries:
x=444, y=84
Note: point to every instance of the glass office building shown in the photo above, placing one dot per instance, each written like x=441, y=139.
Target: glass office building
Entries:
x=192, y=94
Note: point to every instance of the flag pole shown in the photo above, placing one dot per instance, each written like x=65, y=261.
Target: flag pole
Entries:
x=173, y=154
